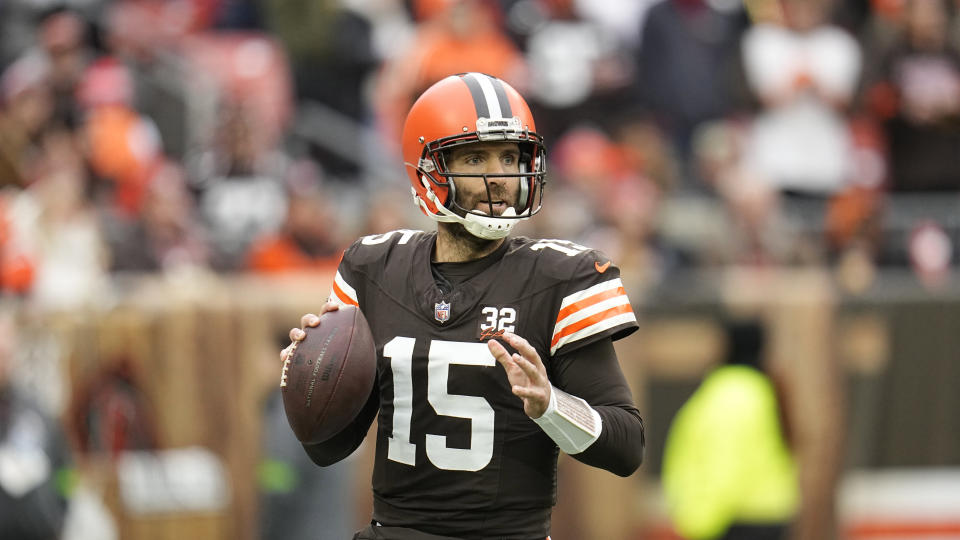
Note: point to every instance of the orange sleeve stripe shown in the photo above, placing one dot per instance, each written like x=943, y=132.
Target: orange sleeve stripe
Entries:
x=344, y=297
x=589, y=301
x=589, y=321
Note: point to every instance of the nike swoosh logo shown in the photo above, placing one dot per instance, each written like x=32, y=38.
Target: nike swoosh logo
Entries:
x=601, y=267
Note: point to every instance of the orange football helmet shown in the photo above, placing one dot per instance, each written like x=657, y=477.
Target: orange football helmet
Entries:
x=463, y=109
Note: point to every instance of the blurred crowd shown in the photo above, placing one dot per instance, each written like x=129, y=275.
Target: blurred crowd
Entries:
x=254, y=136
x=208, y=137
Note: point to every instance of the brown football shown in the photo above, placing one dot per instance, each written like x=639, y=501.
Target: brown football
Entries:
x=328, y=377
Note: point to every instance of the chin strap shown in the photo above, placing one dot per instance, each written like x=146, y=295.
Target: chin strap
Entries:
x=570, y=421
x=488, y=228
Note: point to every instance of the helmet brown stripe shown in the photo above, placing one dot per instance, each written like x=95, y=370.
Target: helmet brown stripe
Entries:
x=479, y=101
x=505, y=110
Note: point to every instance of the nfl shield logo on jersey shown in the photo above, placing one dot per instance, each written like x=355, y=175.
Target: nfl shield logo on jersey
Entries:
x=441, y=311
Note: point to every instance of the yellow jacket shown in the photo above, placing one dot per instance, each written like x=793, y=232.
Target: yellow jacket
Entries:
x=726, y=460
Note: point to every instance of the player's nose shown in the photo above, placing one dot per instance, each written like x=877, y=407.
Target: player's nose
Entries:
x=497, y=166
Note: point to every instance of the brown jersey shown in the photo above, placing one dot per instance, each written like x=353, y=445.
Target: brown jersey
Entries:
x=454, y=448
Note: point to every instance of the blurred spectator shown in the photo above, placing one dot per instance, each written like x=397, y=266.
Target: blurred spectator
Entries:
x=633, y=238
x=230, y=70
x=620, y=17
x=756, y=232
x=240, y=187
x=26, y=107
x=608, y=194
x=332, y=56
x=167, y=235
x=35, y=463
x=453, y=36
x=585, y=166
x=19, y=21
x=55, y=219
x=587, y=159
x=647, y=150
x=853, y=215
x=123, y=146
x=579, y=70
x=686, y=66
x=138, y=37
x=593, y=159
x=298, y=25
x=387, y=211
x=918, y=97
x=63, y=44
x=803, y=72
x=728, y=471
x=310, y=237
x=880, y=30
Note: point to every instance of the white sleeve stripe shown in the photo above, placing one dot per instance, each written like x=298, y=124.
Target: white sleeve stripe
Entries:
x=605, y=324
x=345, y=287
x=581, y=314
x=590, y=291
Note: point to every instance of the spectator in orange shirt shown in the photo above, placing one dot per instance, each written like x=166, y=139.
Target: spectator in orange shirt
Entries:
x=451, y=37
x=123, y=146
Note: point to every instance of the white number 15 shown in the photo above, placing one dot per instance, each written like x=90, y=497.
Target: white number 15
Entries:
x=441, y=356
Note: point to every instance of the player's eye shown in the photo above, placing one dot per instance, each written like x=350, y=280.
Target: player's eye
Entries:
x=509, y=161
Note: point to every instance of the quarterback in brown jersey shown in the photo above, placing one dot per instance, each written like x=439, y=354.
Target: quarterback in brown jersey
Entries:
x=494, y=352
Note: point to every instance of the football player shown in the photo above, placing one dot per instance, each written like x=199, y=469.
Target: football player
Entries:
x=494, y=352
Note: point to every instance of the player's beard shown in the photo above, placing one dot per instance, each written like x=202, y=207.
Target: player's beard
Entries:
x=467, y=240
x=464, y=238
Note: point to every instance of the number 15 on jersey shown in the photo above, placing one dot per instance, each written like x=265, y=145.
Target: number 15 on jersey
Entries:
x=441, y=356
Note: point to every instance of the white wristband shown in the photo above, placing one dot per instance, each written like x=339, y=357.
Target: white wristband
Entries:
x=570, y=421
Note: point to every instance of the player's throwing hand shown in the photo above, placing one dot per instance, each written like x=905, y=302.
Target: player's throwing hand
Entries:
x=526, y=373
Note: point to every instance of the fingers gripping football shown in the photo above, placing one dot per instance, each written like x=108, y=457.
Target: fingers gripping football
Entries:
x=297, y=334
x=526, y=373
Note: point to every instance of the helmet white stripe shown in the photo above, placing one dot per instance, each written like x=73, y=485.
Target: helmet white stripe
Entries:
x=489, y=94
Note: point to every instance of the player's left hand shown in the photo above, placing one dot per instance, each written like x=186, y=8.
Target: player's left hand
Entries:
x=526, y=373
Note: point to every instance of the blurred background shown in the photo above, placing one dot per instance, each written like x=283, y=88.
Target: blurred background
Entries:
x=179, y=178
